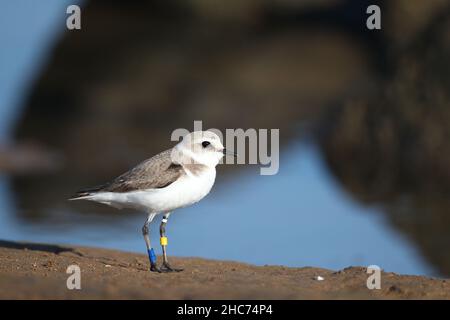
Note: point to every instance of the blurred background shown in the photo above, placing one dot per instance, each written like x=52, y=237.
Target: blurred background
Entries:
x=363, y=116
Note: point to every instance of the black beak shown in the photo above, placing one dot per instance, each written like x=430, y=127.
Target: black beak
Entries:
x=229, y=153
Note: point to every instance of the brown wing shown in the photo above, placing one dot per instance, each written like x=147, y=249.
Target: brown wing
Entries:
x=154, y=173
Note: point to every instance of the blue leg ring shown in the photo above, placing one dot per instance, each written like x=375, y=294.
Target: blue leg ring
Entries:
x=152, y=256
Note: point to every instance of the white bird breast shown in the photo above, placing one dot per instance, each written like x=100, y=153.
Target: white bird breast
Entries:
x=187, y=190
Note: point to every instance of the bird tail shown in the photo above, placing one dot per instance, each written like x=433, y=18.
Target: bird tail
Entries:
x=85, y=194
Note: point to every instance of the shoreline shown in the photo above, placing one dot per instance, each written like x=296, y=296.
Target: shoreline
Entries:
x=39, y=271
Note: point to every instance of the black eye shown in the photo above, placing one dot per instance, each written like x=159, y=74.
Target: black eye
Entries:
x=205, y=144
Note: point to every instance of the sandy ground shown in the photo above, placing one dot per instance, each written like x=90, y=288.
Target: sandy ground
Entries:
x=37, y=271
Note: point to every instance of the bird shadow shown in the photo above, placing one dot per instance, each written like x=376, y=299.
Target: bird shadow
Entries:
x=37, y=247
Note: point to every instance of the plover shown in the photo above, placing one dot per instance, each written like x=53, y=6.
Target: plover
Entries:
x=172, y=179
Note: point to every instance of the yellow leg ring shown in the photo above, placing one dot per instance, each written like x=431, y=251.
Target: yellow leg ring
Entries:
x=163, y=241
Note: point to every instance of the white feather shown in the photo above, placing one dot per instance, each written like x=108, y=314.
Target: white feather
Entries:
x=185, y=191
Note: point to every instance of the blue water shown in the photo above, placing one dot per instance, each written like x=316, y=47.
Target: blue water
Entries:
x=28, y=30
x=298, y=217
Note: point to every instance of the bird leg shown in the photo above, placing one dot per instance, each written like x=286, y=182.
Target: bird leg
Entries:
x=150, y=251
x=163, y=239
